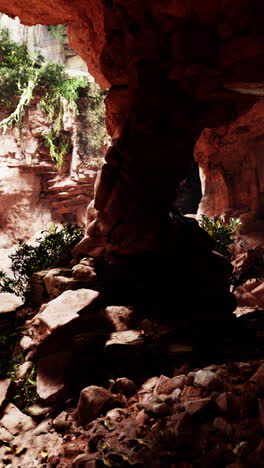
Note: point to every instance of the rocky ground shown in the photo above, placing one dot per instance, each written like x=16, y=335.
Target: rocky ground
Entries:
x=88, y=384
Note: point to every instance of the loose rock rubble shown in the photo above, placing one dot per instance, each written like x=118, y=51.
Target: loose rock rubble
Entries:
x=97, y=386
x=147, y=424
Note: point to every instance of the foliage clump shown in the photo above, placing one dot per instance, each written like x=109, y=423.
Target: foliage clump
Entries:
x=58, y=31
x=222, y=231
x=52, y=250
x=24, y=75
x=91, y=129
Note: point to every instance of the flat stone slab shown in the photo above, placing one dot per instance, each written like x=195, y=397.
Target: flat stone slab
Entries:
x=9, y=302
x=14, y=421
x=61, y=311
x=128, y=337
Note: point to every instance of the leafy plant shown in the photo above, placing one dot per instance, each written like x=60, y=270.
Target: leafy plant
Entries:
x=222, y=231
x=53, y=249
x=92, y=130
x=23, y=75
x=58, y=31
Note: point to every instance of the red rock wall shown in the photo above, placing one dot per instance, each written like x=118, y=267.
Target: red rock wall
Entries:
x=33, y=192
x=170, y=59
x=231, y=166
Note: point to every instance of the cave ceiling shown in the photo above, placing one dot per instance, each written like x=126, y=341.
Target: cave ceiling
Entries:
x=222, y=39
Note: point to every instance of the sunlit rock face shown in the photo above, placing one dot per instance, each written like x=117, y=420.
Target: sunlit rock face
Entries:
x=231, y=166
x=21, y=212
x=33, y=191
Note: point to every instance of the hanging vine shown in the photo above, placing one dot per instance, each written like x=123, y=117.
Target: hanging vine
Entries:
x=24, y=75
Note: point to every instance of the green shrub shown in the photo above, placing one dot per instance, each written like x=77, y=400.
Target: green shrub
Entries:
x=24, y=75
x=58, y=31
x=222, y=231
x=52, y=250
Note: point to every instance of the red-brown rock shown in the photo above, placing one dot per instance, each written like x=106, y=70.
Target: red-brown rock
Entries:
x=93, y=400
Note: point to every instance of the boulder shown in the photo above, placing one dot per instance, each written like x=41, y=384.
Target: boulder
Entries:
x=9, y=302
x=61, y=422
x=83, y=272
x=206, y=379
x=120, y=317
x=15, y=421
x=51, y=376
x=92, y=402
x=60, y=312
x=57, y=280
x=125, y=386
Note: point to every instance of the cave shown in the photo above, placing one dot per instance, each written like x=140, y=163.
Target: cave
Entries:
x=184, y=110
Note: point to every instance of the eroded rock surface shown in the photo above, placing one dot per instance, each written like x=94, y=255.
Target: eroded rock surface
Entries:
x=231, y=167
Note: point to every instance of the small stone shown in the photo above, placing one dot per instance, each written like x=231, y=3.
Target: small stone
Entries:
x=15, y=421
x=120, y=317
x=26, y=342
x=115, y=415
x=23, y=369
x=83, y=272
x=160, y=409
x=206, y=379
x=61, y=421
x=161, y=381
x=149, y=385
x=125, y=386
x=4, y=387
x=167, y=387
x=38, y=410
x=199, y=406
x=92, y=402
